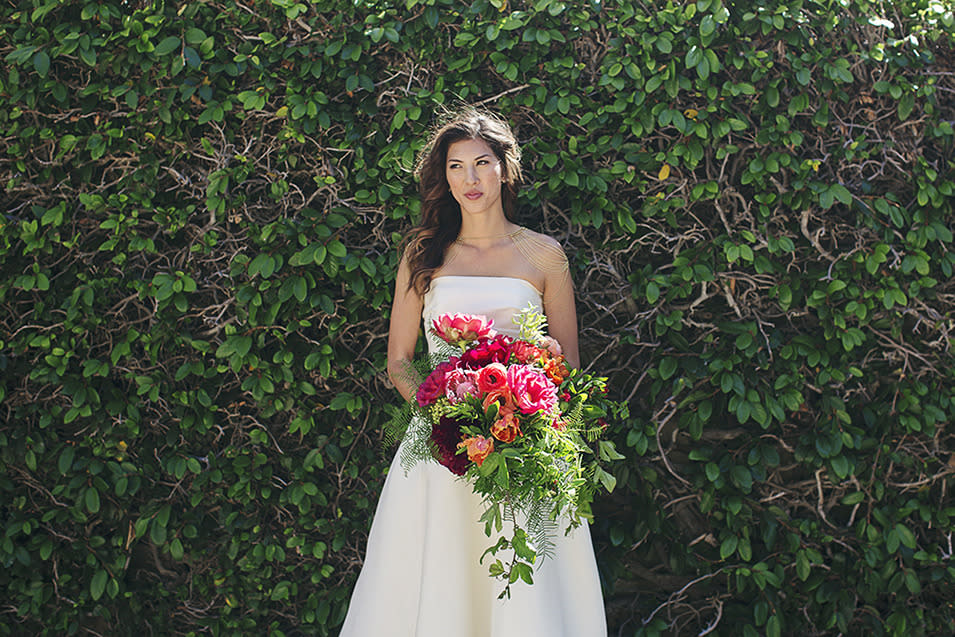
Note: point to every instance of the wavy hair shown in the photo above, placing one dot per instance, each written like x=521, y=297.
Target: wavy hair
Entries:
x=427, y=243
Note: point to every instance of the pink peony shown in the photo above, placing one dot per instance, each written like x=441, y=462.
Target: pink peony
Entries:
x=433, y=386
x=462, y=328
x=532, y=390
x=491, y=377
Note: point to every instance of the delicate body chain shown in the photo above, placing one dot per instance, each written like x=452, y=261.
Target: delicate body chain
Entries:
x=539, y=253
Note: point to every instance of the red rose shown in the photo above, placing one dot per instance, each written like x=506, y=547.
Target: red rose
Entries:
x=491, y=377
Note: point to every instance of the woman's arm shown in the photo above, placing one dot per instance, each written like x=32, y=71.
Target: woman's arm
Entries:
x=561, y=312
x=403, y=334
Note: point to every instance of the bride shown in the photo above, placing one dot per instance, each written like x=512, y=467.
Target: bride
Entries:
x=422, y=575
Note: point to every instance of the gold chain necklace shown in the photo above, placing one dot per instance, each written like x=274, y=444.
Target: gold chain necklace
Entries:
x=493, y=236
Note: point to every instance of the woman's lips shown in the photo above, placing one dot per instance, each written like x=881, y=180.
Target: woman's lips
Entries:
x=474, y=194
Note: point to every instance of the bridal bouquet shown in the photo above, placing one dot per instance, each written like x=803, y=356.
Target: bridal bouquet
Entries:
x=511, y=416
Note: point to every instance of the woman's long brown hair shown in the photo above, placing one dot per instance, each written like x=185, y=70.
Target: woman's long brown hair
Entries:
x=440, y=222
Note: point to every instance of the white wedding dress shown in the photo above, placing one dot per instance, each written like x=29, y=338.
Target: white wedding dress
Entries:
x=421, y=575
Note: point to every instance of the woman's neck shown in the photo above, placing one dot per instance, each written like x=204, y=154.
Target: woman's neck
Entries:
x=480, y=230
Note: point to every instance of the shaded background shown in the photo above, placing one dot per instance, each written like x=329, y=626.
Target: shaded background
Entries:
x=200, y=211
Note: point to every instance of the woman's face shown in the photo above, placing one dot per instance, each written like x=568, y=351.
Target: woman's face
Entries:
x=474, y=175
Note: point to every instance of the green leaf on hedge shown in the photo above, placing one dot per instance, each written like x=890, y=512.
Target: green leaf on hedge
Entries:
x=92, y=500
x=841, y=466
x=905, y=535
x=803, y=567
x=841, y=193
x=167, y=46
x=608, y=481
x=98, y=583
x=65, y=462
x=668, y=367
x=728, y=547
x=41, y=62
x=906, y=105
x=773, y=628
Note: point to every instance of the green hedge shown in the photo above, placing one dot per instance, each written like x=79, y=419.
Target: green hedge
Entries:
x=201, y=206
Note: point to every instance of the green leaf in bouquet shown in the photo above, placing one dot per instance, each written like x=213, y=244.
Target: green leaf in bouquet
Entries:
x=532, y=325
x=522, y=571
x=490, y=464
x=522, y=549
x=502, y=477
x=493, y=521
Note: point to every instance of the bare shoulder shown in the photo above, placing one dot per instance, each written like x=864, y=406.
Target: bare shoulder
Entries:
x=541, y=239
x=543, y=251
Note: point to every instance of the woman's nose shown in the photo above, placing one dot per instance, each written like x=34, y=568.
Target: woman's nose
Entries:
x=472, y=175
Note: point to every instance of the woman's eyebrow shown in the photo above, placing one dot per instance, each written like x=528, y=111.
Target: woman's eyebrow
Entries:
x=451, y=159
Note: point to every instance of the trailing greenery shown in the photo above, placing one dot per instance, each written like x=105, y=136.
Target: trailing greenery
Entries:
x=200, y=211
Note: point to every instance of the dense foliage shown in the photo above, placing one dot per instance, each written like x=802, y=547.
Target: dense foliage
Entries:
x=200, y=210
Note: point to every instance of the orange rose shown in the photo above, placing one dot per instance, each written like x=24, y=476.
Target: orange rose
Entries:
x=507, y=428
x=503, y=397
x=478, y=448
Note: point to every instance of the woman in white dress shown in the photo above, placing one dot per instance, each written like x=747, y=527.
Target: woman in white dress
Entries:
x=422, y=575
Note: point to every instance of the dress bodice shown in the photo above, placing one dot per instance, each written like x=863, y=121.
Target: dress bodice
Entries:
x=496, y=297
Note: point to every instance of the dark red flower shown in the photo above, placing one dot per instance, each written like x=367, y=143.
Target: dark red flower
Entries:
x=433, y=386
x=446, y=434
x=486, y=351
